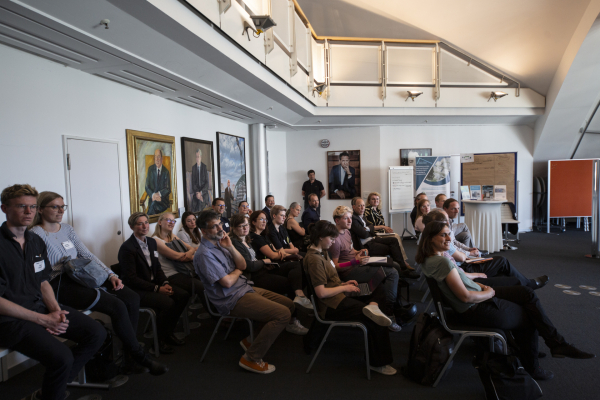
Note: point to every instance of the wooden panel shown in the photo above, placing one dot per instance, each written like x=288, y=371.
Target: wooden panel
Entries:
x=571, y=186
x=492, y=169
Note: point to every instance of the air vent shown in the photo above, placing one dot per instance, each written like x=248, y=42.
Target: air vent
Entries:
x=121, y=83
x=134, y=82
x=194, y=103
x=149, y=80
x=206, y=102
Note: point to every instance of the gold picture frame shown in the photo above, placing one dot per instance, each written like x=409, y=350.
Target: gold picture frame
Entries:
x=149, y=189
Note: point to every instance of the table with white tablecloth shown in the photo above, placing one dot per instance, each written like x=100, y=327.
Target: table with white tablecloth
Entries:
x=485, y=223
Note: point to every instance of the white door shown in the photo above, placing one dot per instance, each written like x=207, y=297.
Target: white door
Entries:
x=95, y=196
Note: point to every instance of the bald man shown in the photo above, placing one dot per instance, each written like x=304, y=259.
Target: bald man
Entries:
x=158, y=185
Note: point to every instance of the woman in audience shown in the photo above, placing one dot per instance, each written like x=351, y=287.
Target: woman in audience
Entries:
x=244, y=209
x=514, y=308
x=333, y=304
x=163, y=233
x=258, y=271
x=423, y=209
x=264, y=250
x=120, y=303
x=189, y=232
x=296, y=232
x=373, y=215
x=278, y=234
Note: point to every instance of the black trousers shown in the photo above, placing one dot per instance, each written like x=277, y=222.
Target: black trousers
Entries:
x=386, y=246
x=292, y=270
x=518, y=309
x=168, y=308
x=273, y=283
x=351, y=309
x=61, y=362
x=122, y=306
x=499, y=266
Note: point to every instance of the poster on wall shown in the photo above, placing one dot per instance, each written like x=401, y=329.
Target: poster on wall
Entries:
x=432, y=175
x=231, y=153
x=408, y=156
x=152, y=173
x=198, y=173
x=343, y=169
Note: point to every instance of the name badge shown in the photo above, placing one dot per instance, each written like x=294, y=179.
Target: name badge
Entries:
x=332, y=263
x=226, y=225
x=68, y=245
x=155, y=253
x=39, y=266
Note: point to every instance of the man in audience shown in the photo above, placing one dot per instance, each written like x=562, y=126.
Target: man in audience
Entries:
x=498, y=266
x=29, y=313
x=413, y=213
x=311, y=213
x=439, y=201
x=461, y=231
x=312, y=186
x=218, y=205
x=364, y=237
x=342, y=178
x=270, y=202
x=158, y=185
x=220, y=266
x=354, y=265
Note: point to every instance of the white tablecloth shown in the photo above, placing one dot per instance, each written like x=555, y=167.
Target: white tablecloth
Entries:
x=485, y=223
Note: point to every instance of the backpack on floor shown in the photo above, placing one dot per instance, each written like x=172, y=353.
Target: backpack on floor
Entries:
x=430, y=347
x=504, y=378
x=102, y=366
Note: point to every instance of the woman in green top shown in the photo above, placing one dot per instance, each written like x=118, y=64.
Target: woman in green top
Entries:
x=514, y=308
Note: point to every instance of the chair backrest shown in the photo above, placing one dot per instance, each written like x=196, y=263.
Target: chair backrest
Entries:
x=116, y=268
x=438, y=300
x=506, y=214
x=209, y=306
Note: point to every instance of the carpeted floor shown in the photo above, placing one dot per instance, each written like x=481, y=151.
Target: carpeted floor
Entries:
x=339, y=372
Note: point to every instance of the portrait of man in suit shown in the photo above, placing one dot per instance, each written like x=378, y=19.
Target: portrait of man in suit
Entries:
x=158, y=185
x=342, y=178
x=229, y=198
x=200, y=184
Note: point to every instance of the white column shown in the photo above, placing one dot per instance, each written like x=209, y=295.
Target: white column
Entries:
x=258, y=165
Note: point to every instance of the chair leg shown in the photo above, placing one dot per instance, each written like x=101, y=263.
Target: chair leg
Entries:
x=251, y=330
x=425, y=295
x=319, y=349
x=211, y=339
x=230, y=326
x=154, y=330
x=364, y=329
x=429, y=305
x=83, y=383
x=439, y=378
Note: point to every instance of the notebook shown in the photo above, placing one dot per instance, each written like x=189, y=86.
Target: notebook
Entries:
x=367, y=288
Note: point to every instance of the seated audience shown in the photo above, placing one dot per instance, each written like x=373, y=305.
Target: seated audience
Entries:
x=138, y=259
x=498, y=266
x=422, y=209
x=264, y=249
x=116, y=300
x=439, y=201
x=363, y=237
x=460, y=231
x=514, y=308
x=352, y=264
x=258, y=271
x=220, y=267
x=413, y=213
x=30, y=316
x=244, y=209
x=269, y=203
x=218, y=206
x=311, y=214
x=333, y=304
x=189, y=232
x=312, y=186
x=374, y=216
x=297, y=232
x=278, y=234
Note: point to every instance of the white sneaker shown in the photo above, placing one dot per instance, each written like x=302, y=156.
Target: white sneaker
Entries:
x=296, y=328
x=385, y=370
x=374, y=313
x=303, y=302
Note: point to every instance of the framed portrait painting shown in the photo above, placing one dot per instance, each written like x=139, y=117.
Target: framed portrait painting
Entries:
x=231, y=160
x=152, y=173
x=198, y=173
x=343, y=169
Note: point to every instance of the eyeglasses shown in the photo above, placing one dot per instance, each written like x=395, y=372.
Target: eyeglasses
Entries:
x=220, y=225
x=142, y=223
x=170, y=221
x=22, y=207
x=54, y=208
x=244, y=206
x=220, y=205
x=261, y=219
x=243, y=226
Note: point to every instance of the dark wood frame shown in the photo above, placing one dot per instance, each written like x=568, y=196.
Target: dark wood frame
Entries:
x=183, y=169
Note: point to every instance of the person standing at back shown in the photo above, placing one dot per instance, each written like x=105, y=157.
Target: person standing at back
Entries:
x=312, y=186
x=269, y=203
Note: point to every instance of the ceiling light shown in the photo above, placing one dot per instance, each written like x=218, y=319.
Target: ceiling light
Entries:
x=497, y=95
x=263, y=23
x=319, y=88
x=412, y=94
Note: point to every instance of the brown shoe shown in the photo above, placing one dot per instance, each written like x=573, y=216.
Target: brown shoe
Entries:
x=245, y=343
x=258, y=367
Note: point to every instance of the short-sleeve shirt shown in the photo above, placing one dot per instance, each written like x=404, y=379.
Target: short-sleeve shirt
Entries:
x=342, y=247
x=438, y=268
x=213, y=262
x=316, y=187
x=258, y=242
x=321, y=271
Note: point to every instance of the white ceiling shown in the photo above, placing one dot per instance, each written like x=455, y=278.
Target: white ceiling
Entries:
x=524, y=38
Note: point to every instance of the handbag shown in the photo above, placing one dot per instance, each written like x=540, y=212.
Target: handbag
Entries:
x=85, y=272
x=186, y=268
x=504, y=378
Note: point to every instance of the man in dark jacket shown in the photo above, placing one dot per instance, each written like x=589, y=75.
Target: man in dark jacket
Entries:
x=200, y=184
x=158, y=185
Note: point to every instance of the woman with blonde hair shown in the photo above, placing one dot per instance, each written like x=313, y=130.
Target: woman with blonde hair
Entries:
x=296, y=232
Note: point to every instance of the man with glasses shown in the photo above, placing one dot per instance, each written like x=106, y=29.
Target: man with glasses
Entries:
x=29, y=313
x=218, y=205
x=220, y=267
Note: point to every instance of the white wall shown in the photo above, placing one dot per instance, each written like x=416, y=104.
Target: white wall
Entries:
x=40, y=101
x=278, y=172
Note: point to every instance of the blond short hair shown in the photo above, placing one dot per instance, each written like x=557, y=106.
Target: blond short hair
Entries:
x=340, y=211
x=275, y=210
x=14, y=191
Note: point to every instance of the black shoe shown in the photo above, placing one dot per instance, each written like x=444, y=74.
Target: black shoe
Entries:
x=172, y=339
x=541, y=374
x=156, y=368
x=410, y=274
x=570, y=351
x=406, y=313
x=129, y=367
x=165, y=348
x=541, y=281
